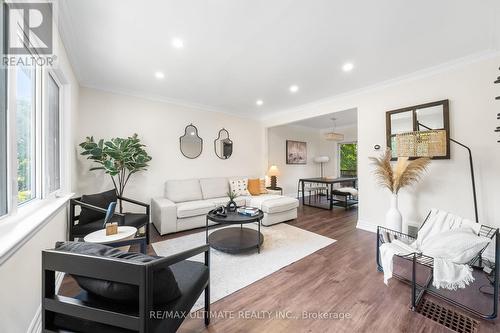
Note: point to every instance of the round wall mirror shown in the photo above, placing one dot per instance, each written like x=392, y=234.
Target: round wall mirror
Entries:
x=191, y=144
x=223, y=145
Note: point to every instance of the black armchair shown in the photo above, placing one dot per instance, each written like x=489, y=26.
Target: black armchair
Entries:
x=91, y=217
x=88, y=313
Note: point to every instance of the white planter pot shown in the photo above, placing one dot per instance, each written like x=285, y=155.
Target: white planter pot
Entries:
x=393, y=218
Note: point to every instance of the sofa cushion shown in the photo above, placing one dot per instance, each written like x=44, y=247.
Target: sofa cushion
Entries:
x=254, y=186
x=262, y=187
x=164, y=283
x=101, y=200
x=239, y=186
x=214, y=187
x=183, y=190
x=270, y=203
x=131, y=220
x=223, y=201
x=194, y=208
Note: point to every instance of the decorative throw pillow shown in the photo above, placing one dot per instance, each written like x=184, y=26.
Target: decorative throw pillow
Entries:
x=101, y=200
x=239, y=186
x=254, y=186
x=262, y=187
x=164, y=283
x=456, y=245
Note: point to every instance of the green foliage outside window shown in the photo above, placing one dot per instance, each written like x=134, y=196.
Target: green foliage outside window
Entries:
x=348, y=159
x=24, y=153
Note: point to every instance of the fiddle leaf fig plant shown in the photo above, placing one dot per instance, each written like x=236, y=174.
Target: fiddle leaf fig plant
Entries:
x=119, y=157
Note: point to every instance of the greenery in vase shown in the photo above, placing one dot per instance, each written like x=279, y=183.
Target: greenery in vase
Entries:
x=231, y=195
x=119, y=157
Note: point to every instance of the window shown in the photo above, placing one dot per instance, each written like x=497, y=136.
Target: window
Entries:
x=348, y=159
x=26, y=133
x=31, y=142
x=52, y=137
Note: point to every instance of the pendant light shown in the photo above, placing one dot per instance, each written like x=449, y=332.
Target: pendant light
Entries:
x=333, y=136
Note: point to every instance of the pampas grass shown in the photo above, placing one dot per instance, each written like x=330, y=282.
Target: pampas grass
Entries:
x=405, y=172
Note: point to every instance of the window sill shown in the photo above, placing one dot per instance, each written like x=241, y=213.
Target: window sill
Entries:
x=16, y=230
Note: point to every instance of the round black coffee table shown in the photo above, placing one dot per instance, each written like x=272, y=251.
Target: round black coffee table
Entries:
x=234, y=239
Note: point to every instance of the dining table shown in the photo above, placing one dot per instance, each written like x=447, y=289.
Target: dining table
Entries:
x=329, y=182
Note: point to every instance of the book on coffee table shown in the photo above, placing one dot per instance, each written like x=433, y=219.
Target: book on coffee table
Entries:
x=248, y=211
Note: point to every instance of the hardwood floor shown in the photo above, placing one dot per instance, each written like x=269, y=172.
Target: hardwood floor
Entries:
x=340, y=278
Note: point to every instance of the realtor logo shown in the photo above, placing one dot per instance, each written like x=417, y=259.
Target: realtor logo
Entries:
x=28, y=28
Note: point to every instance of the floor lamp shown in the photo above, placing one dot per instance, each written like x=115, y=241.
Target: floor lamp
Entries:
x=405, y=149
x=321, y=160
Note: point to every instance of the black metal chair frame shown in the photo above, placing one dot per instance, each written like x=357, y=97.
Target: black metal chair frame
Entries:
x=385, y=235
x=117, y=270
x=121, y=217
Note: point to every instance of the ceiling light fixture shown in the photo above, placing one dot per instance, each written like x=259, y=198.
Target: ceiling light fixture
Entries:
x=348, y=66
x=177, y=43
x=159, y=75
x=332, y=135
x=294, y=88
x=259, y=102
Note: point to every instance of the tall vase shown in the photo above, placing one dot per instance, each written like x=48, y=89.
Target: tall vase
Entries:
x=393, y=218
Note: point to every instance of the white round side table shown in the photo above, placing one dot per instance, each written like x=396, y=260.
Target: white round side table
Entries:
x=100, y=237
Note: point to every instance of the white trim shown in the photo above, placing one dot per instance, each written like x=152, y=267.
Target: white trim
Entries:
x=36, y=322
x=21, y=227
x=167, y=100
x=367, y=226
x=283, y=116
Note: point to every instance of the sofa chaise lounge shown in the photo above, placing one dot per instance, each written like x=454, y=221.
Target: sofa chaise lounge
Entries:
x=186, y=202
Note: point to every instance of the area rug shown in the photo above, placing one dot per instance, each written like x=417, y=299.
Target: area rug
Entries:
x=283, y=245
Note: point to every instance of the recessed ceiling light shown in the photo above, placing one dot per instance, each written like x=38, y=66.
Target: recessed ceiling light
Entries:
x=259, y=102
x=159, y=75
x=177, y=43
x=348, y=66
x=294, y=88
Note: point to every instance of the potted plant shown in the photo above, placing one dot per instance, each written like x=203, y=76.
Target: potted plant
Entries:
x=405, y=173
x=231, y=205
x=119, y=157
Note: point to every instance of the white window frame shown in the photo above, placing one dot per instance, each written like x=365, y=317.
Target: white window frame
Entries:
x=47, y=75
x=41, y=105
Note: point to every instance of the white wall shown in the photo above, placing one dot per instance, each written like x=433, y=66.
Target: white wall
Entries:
x=469, y=87
x=20, y=290
x=20, y=275
x=159, y=125
x=291, y=173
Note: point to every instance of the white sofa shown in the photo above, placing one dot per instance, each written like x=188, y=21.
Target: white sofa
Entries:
x=186, y=203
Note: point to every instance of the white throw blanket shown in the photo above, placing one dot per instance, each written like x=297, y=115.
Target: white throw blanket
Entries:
x=351, y=190
x=451, y=240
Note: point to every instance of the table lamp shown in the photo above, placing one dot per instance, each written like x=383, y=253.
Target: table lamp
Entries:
x=273, y=173
x=321, y=160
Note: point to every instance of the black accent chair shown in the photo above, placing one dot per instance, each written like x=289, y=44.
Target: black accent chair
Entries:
x=93, y=210
x=89, y=313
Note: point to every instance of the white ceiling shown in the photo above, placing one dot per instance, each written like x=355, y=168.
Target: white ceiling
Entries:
x=238, y=51
x=346, y=118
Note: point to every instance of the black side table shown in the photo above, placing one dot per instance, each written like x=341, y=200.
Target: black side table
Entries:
x=235, y=240
x=277, y=188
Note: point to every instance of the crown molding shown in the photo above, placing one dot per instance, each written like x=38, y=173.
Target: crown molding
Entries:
x=428, y=72
x=166, y=100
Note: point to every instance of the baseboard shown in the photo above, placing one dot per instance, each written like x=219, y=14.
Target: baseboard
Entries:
x=367, y=226
x=36, y=323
